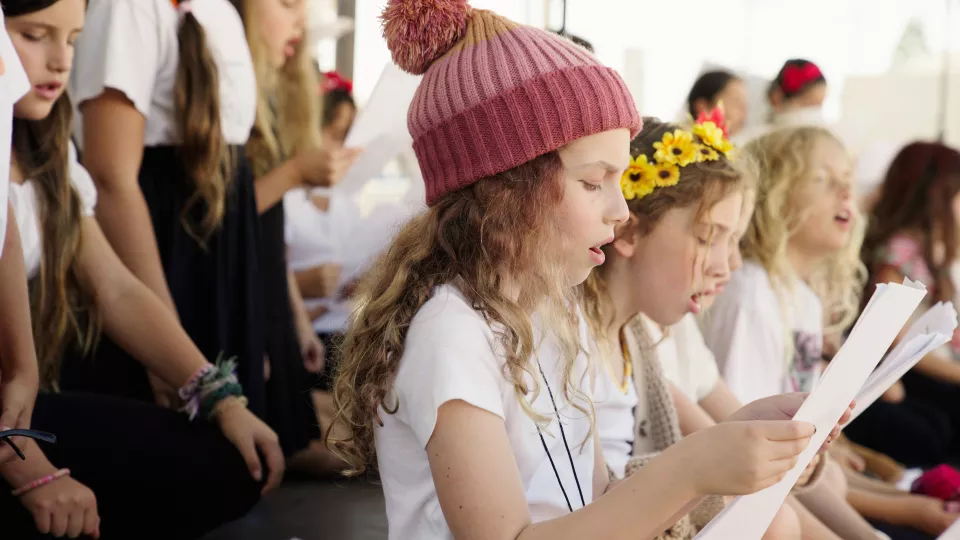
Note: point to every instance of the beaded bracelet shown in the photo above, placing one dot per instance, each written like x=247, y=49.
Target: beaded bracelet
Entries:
x=26, y=488
x=208, y=386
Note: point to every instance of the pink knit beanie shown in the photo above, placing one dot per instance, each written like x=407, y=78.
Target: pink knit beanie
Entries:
x=495, y=94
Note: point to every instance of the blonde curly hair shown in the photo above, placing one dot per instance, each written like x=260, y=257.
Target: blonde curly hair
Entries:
x=475, y=239
x=782, y=159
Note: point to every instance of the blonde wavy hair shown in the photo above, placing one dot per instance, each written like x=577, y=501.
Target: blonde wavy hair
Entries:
x=476, y=240
x=288, y=101
x=782, y=158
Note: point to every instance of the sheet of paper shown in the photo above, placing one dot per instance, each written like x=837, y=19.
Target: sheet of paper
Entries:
x=747, y=517
x=952, y=533
x=14, y=84
x=380, y=127
x=929, y=332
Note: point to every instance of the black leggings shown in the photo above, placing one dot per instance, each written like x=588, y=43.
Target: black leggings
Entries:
x=155, y=474
x=914, y=432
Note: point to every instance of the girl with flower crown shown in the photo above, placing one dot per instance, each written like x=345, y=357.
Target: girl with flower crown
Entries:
x=464, y=379
x=672, y=253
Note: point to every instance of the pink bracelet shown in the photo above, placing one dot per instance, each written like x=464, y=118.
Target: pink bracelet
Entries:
x=40, y=482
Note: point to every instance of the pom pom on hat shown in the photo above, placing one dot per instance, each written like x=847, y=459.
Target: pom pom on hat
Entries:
x=418, y=32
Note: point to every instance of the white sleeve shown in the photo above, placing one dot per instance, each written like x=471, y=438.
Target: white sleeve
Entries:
x=120, y=48
x=83, y=183
x=448, y=356
x=747, y=349
x=699, y=358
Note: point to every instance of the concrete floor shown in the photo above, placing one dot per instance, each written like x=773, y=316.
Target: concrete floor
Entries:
x=313, y=510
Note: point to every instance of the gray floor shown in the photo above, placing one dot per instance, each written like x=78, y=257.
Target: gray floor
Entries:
x=313, y=510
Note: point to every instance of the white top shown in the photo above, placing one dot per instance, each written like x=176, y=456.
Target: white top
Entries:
x=131, y=46
x=451, y=354
x=341, y=235
x=615, y=420
x=13, y=85
x=761, y=349
x=23, y=199
x=693, y=368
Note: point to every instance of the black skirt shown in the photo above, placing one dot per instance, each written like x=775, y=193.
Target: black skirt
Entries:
x=289, y=406
x=217, y=287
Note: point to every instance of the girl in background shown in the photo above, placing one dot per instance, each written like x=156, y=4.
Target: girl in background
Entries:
x=466, y=344
x=795, y=97
x=339, y=110
x=766, y=328
x=672, y=252
x=79, y=287
x=913, y=233
x=167, y=95
x=720, y=88
x=321, y=223
x=285, y=153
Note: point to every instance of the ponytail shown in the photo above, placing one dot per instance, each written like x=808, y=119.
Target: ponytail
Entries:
x=197, y=112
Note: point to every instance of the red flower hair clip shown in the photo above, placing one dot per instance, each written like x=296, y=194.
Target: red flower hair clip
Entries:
x=716, y=116
x=334, y=81
x=796, y=77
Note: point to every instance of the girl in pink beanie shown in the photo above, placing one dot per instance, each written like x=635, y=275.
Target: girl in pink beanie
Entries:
x=464, y=380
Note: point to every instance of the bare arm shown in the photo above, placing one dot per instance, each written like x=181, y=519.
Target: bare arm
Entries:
x=18, y=472
x=272, y=186
x=720, y=404
x=113, y=151
x=132, y=315
x=476, y=477
x=300, y=313
x=691, y=416
x=18, y=357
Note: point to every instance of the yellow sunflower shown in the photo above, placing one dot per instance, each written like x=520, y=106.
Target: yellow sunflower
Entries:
x=713, y=136
x=639, y=179
x=676, y=148
x=706, y=153
x=666, y=174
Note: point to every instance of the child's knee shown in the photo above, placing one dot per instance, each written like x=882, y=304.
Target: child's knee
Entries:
x=785, y=525
x=835, y=479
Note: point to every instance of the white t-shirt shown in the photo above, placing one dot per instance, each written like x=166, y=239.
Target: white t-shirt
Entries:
x=616, y=412
x=23, y=199
x=341, y=235
x=748, y=332
x=693, y=368
x=131, y=46
x=13, y=85
x=451, y=354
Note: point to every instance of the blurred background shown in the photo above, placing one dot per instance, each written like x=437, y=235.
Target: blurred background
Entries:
x=896, y=56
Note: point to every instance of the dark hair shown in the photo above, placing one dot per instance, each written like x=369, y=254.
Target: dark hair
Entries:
x=332, y=101
x=203, y=148
x=577, y=40
x=917, y=195
x=15, y=8
x=707, y=87
x=808, y=75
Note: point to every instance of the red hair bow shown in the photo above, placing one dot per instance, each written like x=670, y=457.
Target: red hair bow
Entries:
x=334, y=81
x=716, y=116
x=796, y=77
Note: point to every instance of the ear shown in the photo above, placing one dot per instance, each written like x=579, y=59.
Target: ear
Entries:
x=626, y=238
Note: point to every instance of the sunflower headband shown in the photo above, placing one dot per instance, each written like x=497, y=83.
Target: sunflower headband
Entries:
x=707, y=141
